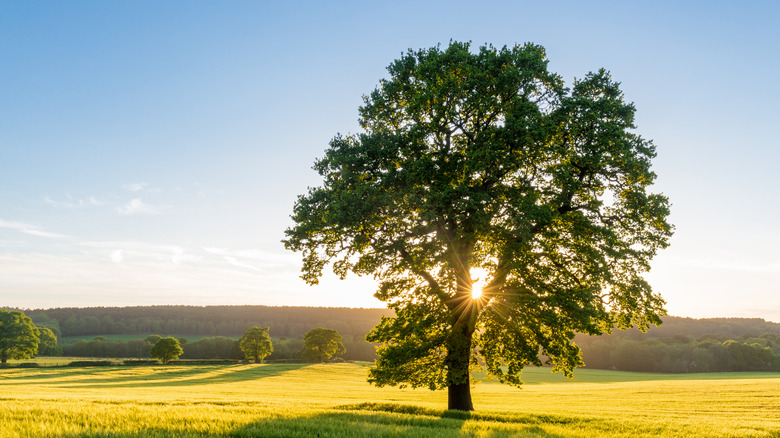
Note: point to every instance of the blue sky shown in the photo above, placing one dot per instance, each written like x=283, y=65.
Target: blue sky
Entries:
x=151, y=152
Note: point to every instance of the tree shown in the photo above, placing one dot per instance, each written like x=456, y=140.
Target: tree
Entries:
x=153, y=339
x=485, y=166
x=47, y=345
x=256, y=343
x=320, y=344
x=18, y=336
x=166, y=349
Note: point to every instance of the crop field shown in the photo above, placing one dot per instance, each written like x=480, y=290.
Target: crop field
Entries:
x=334, y=400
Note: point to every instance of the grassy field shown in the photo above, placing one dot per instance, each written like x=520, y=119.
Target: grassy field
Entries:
x=290, y=400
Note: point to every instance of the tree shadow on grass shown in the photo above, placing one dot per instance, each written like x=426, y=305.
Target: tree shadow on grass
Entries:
x=191, y=376
x=47, y=373
x=387, y=419
x=372, y=420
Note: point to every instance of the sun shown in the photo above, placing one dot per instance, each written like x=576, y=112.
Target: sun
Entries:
x=478, y=275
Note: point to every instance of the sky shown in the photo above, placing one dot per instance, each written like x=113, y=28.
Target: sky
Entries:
x=151, y=152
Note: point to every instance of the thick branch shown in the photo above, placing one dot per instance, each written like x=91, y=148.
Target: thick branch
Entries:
x=435, y=287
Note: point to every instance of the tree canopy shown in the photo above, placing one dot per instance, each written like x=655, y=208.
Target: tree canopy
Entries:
x=485, y=165
x=321, y=344
x=47, y=345
x=256, y=343
x=166, y=349
x=18, y=336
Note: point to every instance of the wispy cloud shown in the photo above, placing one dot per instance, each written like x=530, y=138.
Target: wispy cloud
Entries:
x=73, y=202
x=136, y=206
x=255, y=260
x=135, y=187
x=32, y=230
x=130, y=251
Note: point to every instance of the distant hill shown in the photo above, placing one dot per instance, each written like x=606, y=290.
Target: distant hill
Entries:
x=291, y=321
x=206, y=320
x=729, y=328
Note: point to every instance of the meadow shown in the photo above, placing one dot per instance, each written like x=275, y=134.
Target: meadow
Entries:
x=334, y=400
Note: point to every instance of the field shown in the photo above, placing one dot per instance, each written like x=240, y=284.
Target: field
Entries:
x=290, y=400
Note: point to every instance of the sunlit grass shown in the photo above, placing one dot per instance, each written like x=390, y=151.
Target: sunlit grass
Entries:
x=335, y=400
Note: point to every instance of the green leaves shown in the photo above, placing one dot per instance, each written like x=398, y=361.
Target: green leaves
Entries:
x=320, y=344
x=256, y=343
x=18, y=336
x=483, y=159
x=166, y=349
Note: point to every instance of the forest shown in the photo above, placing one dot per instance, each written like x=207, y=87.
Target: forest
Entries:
x=679, y=345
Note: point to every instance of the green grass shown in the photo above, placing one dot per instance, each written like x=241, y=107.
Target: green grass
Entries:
x=291, y=400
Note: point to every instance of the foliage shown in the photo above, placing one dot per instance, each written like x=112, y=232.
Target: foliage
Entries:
x=320, y=344
x=485, y=161
x=682, y=355
x=166, y=349
x=18, y=336
x=48, y=343
x=256, y=343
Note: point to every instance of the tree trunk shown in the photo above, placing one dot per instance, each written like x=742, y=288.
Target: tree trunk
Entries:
x=463, y=318
x=459, y=397
x=457, y=361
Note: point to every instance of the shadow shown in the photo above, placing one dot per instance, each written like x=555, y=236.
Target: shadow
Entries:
x=463, y=415
x=192, y=376
x=45, y=373
x=370, y=420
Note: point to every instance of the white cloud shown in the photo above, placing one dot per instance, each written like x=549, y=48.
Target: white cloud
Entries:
x=135, y=206
x=116, y=256
x=73, y=202
x=256, y=260
x=136, y=187
x=233, y=261
x=30, y=229
x=143, y=252
x=177, y=255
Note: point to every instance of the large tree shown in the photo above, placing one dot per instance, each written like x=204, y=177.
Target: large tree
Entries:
x=18, y=336
x=256, y=343
x=485, y=165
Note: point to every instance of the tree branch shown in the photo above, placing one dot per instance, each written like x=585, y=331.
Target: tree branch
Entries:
x=435, y=286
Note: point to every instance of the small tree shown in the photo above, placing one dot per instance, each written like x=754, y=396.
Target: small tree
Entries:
x=166, y=349
x=48, y=343
x=320, y=344
x=152, y=339
x=256, y=343
x=18, y=336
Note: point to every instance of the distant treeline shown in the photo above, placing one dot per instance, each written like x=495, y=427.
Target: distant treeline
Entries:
x=682, y=354
x=685, y=345
x=290, y=322
x=678, y=345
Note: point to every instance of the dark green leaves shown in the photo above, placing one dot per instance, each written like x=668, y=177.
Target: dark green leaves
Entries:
x=483, y=159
